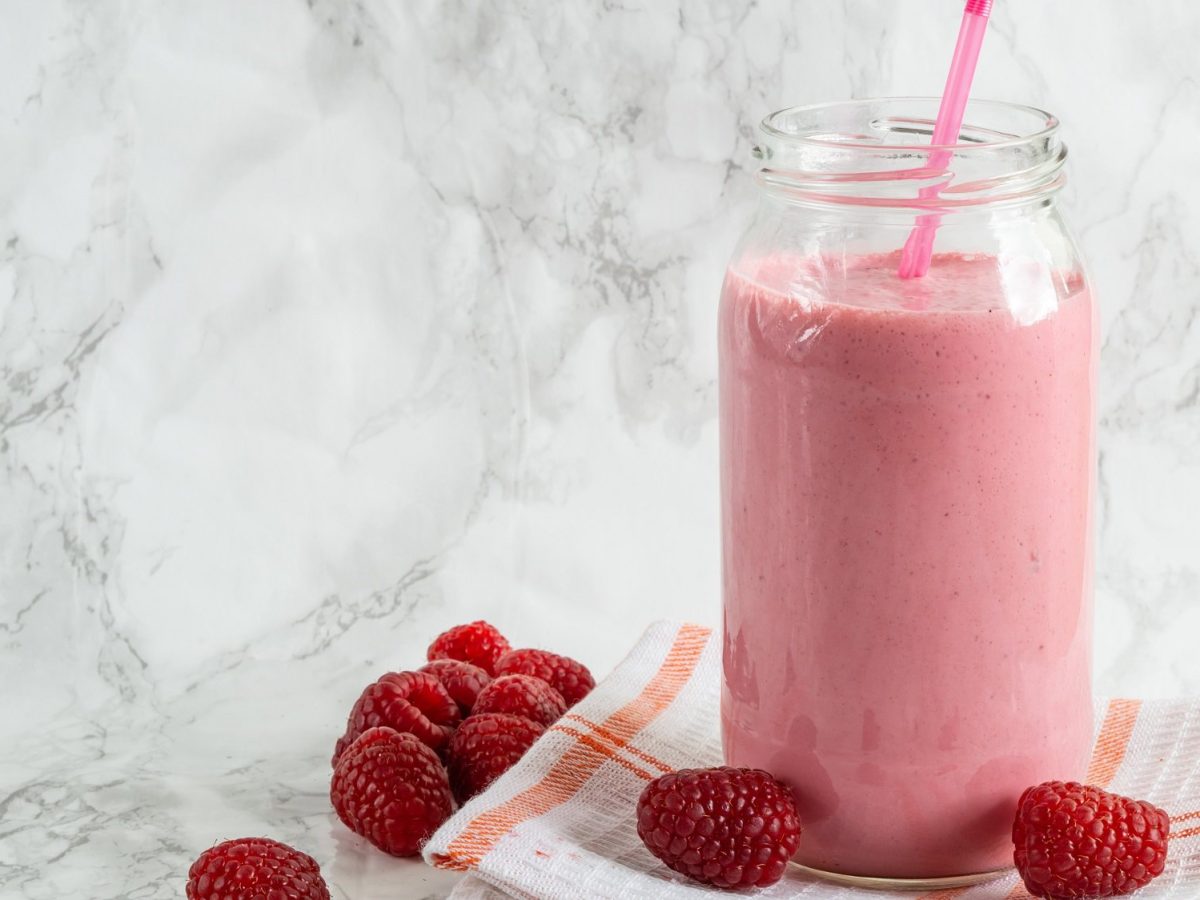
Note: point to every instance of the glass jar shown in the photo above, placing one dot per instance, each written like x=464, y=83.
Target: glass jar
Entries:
x=907, y=470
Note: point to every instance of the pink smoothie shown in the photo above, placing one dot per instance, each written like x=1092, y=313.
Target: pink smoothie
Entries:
x=907, y=471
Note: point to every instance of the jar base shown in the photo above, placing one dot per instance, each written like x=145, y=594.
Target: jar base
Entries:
x=902, y=884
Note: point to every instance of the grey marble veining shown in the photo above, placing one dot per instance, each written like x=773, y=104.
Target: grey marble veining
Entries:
x=325, y=325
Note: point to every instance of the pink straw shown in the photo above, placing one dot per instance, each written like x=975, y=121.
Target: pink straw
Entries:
x=918, y=249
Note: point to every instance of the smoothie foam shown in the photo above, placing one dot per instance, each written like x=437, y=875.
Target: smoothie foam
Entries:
x=906, y=500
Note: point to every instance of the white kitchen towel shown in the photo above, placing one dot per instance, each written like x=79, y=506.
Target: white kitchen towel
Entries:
x=560, y=824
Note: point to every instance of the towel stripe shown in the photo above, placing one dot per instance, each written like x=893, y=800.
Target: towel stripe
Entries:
x=948, y=894
x=581, y=761
x=619, y=743
x=601, y=747
x=1111, y=746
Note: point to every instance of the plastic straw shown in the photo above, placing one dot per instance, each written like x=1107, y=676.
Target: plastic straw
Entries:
x=918, y=249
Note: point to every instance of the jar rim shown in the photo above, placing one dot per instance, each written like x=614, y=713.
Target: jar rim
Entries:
x=863, y=153
x=1049, y=125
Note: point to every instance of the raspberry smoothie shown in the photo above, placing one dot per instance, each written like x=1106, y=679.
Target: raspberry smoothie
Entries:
x=907, y=470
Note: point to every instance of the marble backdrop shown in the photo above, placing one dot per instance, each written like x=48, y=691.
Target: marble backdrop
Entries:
x=325, y=325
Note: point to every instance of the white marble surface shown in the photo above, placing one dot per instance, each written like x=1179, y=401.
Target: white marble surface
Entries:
x=324, y=325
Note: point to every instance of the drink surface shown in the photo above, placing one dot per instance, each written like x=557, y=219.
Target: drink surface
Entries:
x=907, y=490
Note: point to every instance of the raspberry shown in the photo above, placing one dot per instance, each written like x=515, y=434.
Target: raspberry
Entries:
x=414, y=702
x=477, y=643
x=485, y=747
x=255, y=869
x=571, y=679
x=391, y=789
x=1073, y=841
x=524, y=696
x=732, y=828
x=462, y=681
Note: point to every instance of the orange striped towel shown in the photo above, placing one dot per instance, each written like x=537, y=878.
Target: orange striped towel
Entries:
x=560, y=824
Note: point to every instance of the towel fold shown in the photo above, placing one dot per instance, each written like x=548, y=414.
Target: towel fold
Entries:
x=561, y=823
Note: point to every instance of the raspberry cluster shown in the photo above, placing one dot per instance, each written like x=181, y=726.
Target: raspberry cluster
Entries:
x=415, y=744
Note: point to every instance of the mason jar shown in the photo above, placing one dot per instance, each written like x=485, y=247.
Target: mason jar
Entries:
x=907, y=479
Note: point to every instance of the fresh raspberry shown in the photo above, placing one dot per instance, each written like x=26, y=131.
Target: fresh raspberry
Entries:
x=1073, y=841
x=414, y=702
x=391, y=789
x=733, y=828
x=461, y=680
x=524, y=696
x=485, y=746
x=571, y=679
x=255, y=869
x=477, y=643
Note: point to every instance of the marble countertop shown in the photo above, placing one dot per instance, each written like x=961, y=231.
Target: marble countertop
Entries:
x=325, y=325
x=117, y=804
